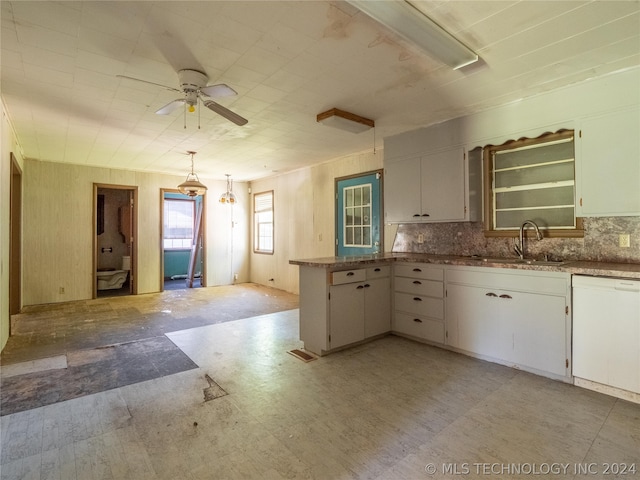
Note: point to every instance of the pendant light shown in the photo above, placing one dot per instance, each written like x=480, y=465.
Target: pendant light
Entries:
x=192, y=186
x=228, y=196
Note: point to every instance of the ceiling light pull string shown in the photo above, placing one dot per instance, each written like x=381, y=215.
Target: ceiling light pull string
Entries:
x=199, y=102
x=185, y=127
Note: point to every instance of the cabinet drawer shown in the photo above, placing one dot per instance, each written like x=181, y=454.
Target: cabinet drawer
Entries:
x=420, y=327
x=553, y=283
x=418, y=305
x=431, y=288
x=378, y=272
x=348, y=276
x=418, y=270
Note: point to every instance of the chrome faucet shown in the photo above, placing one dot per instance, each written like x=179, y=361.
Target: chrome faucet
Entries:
x=520, y=248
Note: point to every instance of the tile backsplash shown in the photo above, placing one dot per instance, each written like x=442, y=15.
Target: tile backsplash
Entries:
x=600, y=242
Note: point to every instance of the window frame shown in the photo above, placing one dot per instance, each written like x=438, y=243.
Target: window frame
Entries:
x=256, y=224
x=488, y=197
x=164, y=226
x=363, y=224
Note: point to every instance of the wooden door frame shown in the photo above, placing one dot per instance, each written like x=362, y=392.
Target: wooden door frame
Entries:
x=15, y=240
x=203, y=229
x=133, y=273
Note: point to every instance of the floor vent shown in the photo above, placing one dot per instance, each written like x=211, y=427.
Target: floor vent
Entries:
x=304, y=356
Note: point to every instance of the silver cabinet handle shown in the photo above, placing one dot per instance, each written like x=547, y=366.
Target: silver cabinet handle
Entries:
x=491, y=294
x=359, y=287
x=508, y=297
x=417, y=299
x=417, y=282
x=417, y=320
x=350, y=274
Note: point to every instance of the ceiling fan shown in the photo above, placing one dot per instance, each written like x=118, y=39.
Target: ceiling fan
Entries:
x=193, y=85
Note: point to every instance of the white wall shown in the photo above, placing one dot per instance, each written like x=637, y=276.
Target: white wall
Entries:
x=7, y=146
x=59, y=229
x=304, y=207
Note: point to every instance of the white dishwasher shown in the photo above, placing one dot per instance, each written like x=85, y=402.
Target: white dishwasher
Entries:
x=606, y=331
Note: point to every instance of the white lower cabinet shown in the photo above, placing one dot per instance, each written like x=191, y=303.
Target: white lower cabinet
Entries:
x=519, y=318
x=346, y=315
x=343, y=307
x=419, y=301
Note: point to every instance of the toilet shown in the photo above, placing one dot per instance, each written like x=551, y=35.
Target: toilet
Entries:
x=113, y=279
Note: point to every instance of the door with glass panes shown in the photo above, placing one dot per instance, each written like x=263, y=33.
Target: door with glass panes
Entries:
x=359, y=215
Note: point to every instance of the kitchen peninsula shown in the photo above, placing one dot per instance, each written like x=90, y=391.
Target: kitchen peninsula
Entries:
x=498, y=309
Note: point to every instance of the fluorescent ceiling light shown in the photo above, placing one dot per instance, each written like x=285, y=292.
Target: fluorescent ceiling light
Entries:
x=413, y=25
x=345, y=121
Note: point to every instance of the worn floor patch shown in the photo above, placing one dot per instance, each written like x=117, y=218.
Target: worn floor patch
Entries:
x=304, y=356
x=214, y=390
x=92, y=371
x=33, y=366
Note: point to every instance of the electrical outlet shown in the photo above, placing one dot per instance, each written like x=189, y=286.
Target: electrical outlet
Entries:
x=420, y=238
x=61, y=290
x=235, y=276
x=625, y=240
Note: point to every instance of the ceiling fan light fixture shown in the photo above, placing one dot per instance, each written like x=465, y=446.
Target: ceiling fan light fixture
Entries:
x=192, y=186
x=406, y=20
x=228, y=196
x=350, y=122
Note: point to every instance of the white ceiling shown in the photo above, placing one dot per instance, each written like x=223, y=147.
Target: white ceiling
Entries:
x=288, y=61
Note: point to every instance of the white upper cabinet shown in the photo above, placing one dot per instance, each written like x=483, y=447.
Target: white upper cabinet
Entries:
x=429, y=187
x=609, y=168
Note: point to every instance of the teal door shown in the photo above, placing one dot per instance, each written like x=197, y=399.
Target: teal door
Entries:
x=358, y=215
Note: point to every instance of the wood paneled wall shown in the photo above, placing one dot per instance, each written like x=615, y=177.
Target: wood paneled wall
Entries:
x=59, y=229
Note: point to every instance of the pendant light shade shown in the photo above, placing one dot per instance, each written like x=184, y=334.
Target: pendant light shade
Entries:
x=192, y=186
x=228, y=196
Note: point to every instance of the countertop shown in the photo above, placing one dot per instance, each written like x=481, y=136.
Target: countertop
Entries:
x=603, y=269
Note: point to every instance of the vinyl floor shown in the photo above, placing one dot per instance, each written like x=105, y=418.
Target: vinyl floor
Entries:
x=115, y=341
x=391, y=409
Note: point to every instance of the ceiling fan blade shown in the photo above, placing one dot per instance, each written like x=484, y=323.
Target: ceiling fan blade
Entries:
x=151, y=83
x=225, y=112
x=170, y=107
x=219, y=90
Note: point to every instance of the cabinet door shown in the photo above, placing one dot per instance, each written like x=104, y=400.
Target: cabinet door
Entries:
x=533, y=331
x=443, y=189
x=609, y=167
x=346, y=314
x=402, y=190
x=377, y=306
x=472, y=321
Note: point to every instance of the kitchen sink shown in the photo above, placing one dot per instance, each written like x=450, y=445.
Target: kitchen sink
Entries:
x=516, y=261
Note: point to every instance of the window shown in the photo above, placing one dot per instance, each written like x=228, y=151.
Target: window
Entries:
x=179, y=217
x=263, y=222
x=357, y=216
x=531, y=179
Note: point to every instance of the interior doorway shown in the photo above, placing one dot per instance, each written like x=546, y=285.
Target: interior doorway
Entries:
x=15, y=241
x=115, y=240
x=182, y=249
